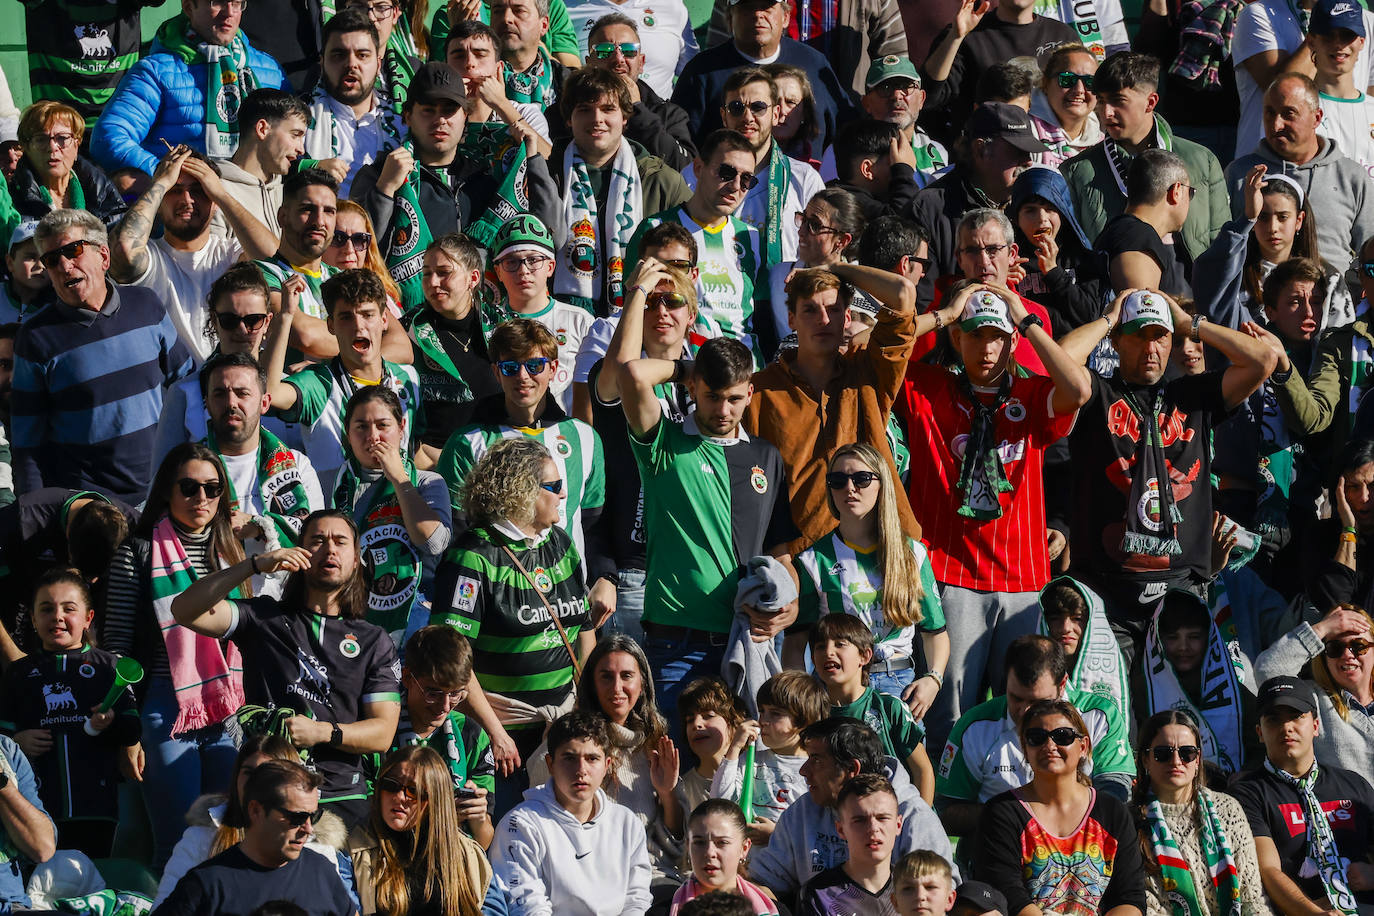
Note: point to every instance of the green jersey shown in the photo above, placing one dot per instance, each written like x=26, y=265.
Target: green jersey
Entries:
x=839, y=578
x=728, y=262
x=277, y=269
x=889, y=717
x=460, y=741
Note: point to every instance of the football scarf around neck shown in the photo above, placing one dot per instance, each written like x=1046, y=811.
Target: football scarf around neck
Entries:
x=410, y=236
x=391, y=564
x=423, y=335
x=1180, y=888
x=1152, y=533
x=1218, y=708
x=1321, y=843
x=1119, y=161
x=592, y=262
x=1361, y=370
x=280, y=486
x=535, y=85
x=74, y=188
x=779, y=180
x=1098, y=667
x=322, y=142
x=1275, y=466
x=443, y=740
x=228, y=79
x=982, y=479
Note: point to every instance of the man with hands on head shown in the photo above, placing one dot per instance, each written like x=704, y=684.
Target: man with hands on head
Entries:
x=475, y=52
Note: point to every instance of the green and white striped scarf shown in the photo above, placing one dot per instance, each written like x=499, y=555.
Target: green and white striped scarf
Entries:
x=1321, y=843
x=1179, y=887
x=588, y=257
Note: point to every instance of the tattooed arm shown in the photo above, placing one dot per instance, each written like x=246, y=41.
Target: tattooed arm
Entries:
x=129, y=241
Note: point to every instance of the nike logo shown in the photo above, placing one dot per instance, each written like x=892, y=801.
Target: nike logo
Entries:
x=584, y=855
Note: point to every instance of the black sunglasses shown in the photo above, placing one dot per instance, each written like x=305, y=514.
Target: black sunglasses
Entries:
x=71, y=251
x=728, y=173
x=1164, y=753
x=298, y=818
x=228, y=321
x=1357, y=647
x=189, y=488
x=838, y=480
x=359, y=240
x=1062, y=736
x=1068, y=78
x=510, y=368
x=737, y=108
x=396, y=787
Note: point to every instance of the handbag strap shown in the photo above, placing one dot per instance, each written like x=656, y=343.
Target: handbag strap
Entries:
x=567, y=643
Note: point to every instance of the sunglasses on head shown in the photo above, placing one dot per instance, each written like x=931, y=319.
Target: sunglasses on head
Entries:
x=189, y=488
x=1068, y=78
x=1062, y=736
x=71, y=251
x=737, y=108
x=510, y=368
x=358, y=240
x=1357, y=647
x=728, y=173
x=1164, y=753
x=553, y=486
x=605, y=50
x=298, y=818
x=838, y=480
x=228, y=321
x=396, y=787
x=666, y=300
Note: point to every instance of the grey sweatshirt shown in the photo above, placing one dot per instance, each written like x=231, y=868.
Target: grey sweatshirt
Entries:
x=261, y=200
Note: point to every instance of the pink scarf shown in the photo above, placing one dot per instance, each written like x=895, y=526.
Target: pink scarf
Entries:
x=750, y=892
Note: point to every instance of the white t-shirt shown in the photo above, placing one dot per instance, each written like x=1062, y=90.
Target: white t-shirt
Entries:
x=665, y=35
x=753, y=210
x=182, y=279
x=1349, y=122
x=1270, y=25
x=568, y=324
x=243, y=474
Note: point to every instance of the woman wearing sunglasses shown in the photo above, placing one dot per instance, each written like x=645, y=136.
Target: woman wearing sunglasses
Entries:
x=1057, y=845
x=1063, y=111
x=193, y=684
x=355, y=245
x=869, y=568
x=377, y=484
x=1199, y=852
x=1336, y=652
x=828, y=231
x=412, y=856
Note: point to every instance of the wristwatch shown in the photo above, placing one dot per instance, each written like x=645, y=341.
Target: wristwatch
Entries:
x=1198, y=322
x=1030, y=321
x=335, y=735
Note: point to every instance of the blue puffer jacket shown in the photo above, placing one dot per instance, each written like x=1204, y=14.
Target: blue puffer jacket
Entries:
x=163, y=98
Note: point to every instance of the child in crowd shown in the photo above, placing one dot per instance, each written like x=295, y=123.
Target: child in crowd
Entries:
x=50, y=707
x=841, y=648
x=868, y=821
x=717, y=847
x=922, y=884
x=788, y=702
x=711, y=715
x=1073, y=615
x=438, y=665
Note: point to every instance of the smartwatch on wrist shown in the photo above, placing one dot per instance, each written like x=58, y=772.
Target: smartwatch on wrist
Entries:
x=335, y=735
x=1030, y=321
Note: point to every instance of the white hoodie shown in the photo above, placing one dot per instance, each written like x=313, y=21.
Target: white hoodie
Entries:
x=553, y=863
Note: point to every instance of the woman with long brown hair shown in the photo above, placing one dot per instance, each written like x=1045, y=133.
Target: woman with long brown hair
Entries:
x=412, y=858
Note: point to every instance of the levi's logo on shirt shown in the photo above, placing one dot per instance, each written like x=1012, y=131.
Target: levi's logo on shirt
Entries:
x=1339, y=814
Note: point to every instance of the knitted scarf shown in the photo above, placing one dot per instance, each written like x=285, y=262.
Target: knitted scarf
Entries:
x=423, y=335
x=444, y=740
x=535, y=85
x=1204, y=41
x=1098, y=668
x=1275, y=465
x=779, y=180
x=1151, y=514
x=228, y=79
x=410, y=236
x=322, y=142
x=1321, y=843
x=586, y=259
x=1361, y=370
x=1179, y=887
x=1119, y=161
x=398, y=67
x=391, y=565
x=982, y=479
x=280, y=487
x=207, y=674
x=74, y=188
x=492, y=143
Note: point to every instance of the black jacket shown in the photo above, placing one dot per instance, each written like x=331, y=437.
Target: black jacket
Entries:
x=898, y=201
x=101, y=197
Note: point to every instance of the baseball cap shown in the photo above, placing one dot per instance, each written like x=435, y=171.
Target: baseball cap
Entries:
x=991, y=120
x=523, y=233
x=436, y=81
x=1330, y=15
x=1143, y=308
x=1288, y=692
x=981, y=897
x=23, y=232
x=985, y=308
x=890, y=67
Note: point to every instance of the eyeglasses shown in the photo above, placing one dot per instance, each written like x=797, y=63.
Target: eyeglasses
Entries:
x=298, y=818
x=1062, y=736
x=510, y=368
x=838, y=480
x=436, y=695
x=1357, y=648
x=515, y=265
x=71, y=251
x=1068, y=78
x=680, y=264
x=1164, y=753
x=189, y=488
x=228, y=321
x=396, y=787
x=235, y=6
x=1192, y=191
x=553, y=486
x=359, y=240
x=896, y=87
x=665, y=300
x=43, y=141
x=813, y=225
x=728, y=173
x=375, y=11
x=605, y=50
x=736, y=108
x=990, y=251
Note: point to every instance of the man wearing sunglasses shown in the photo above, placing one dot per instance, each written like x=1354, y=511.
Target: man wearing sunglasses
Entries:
x=893, y=95
x=182, y=265
x=1313, y=821
x=282, y=802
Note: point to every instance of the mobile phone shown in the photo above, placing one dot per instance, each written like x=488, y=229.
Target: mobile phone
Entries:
x=464, y=792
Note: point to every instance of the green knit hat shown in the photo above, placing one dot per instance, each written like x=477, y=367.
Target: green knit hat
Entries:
x=523, y=233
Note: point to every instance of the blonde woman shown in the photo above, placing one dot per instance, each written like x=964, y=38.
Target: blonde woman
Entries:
x=412, y=856
x=869, y=568
x=355, y=245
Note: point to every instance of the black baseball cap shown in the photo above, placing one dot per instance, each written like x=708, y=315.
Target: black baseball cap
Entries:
x=436, y=82
x=981, y=898
x=991, y=120
x=1287, y=692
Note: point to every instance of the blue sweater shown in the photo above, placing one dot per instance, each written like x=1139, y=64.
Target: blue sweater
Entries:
x=163, y=98
x=88, y=393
